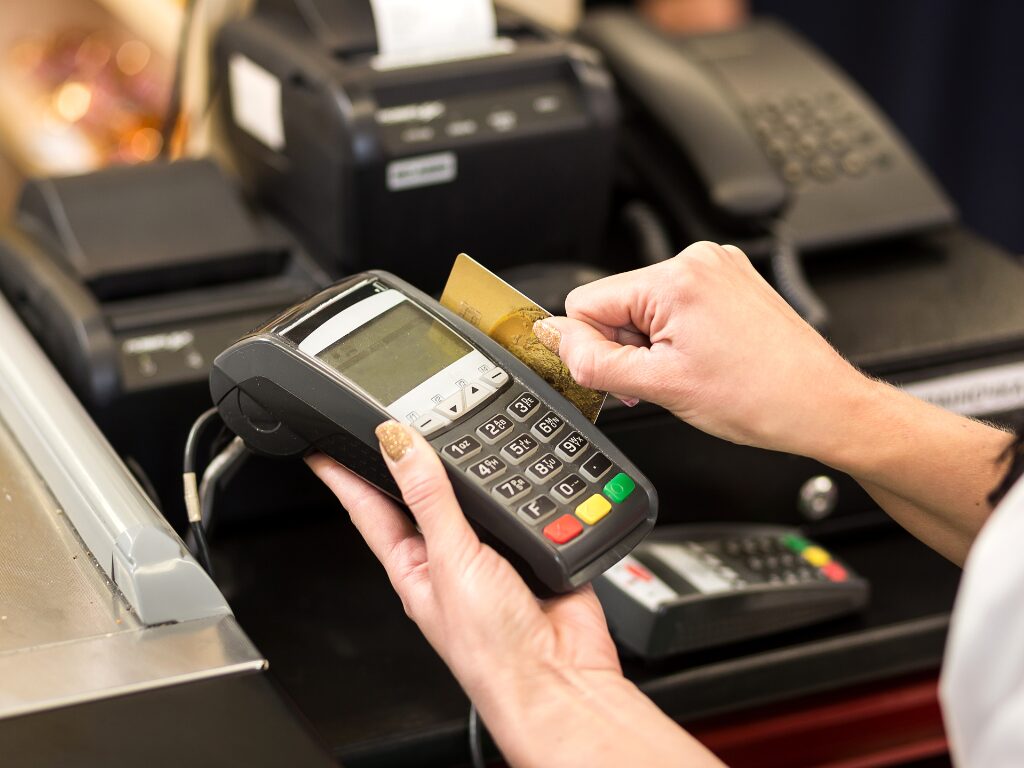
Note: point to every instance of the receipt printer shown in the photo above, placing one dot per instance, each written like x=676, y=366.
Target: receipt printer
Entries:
x=133, y=279
x=399, y=162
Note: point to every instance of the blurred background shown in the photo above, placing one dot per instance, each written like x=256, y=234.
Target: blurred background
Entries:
x=86, y=83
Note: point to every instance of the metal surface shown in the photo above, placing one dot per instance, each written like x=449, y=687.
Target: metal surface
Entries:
x=51, y=591
x=104, y=666
x=66, y=634
x=118, y=523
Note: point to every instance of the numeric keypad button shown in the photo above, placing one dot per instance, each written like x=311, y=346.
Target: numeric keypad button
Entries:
x=547, y=426
x=519, y=449
x=511, y=488
x=544, y=468
x=596, y=467
x=537, y=508
x=464, y=448
x=523, y=406
x=487, y=469
x=492, y=429
x=569, y=488
x=571, y=447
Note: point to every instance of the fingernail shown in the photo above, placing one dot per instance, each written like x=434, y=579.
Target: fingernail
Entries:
x=630, y=402
x=548, y=336
x=395, y=439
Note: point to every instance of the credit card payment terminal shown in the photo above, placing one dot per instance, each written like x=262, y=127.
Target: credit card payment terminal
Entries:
x=536, y=479
x=696, y=586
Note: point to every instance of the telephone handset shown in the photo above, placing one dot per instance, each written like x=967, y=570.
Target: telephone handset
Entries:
x=732, y=133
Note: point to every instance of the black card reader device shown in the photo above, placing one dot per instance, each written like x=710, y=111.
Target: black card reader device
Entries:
x=696, y=586
x=539, y=482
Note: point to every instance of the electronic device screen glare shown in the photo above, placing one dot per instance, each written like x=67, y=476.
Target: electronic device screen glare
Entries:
x=395, y=352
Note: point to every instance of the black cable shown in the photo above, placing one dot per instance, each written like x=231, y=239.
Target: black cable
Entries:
x=192, y=503
x=476, y=741
x=791, y=281
x=174, y=103
x=649, y=231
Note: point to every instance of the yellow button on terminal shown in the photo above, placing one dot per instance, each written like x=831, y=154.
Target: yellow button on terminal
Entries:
x=593, y=509
x=816, y=556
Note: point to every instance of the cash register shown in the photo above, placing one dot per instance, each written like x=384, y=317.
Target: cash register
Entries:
x=398, y=162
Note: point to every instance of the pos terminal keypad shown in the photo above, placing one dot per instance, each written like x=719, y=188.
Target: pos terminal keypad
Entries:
x=524, y=455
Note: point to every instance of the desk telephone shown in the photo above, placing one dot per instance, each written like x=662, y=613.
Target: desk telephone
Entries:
x=732, y=133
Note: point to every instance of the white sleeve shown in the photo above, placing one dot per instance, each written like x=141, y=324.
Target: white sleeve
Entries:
x=982, y=688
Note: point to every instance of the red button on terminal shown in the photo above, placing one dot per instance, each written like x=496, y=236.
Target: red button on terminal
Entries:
x=834, y=571
x=566, y=528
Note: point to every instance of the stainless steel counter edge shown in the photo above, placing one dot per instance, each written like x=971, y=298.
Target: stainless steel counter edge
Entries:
x=118, y=523
x=101, y=667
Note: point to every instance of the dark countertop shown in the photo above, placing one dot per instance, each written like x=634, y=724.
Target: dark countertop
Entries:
x=316, y=603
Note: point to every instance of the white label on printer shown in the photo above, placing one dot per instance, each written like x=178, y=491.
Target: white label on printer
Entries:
x=687, y=562
x=256, y=101
x=636, y=580
x=422, y=171
x=975, y=393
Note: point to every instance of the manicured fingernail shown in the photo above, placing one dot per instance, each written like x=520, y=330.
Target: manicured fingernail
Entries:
x=548, y=336
x=630, y=402
x=395, y=439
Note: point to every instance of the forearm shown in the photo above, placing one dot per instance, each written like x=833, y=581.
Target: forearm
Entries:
x=583, y=718
x=930, y=469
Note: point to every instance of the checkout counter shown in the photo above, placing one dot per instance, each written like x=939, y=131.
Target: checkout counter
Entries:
x=107, y=618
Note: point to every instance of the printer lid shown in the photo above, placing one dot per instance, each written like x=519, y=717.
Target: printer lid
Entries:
x=136, y=230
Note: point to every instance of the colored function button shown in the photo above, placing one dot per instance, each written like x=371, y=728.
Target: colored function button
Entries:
x=495, y=377
x=544, y=468
x=593, y=509
x=596, y=466
x=512, y=488
x=462, y=448
x=492, y=429
x=523, y=406
x=566, y=528
x=795, y=542
x=835, y=572
x=487, y=469
x=570, y=487
x=536, y=509
x=519, y=448
x=619, y=487
x=571, y=447
x=816, y=556
x=547, y=426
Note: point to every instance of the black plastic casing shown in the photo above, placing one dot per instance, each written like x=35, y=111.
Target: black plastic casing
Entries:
x=282, y=403
x=541, y=188
x=697, y=620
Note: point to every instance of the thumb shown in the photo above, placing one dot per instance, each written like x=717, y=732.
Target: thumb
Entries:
x=594, y=360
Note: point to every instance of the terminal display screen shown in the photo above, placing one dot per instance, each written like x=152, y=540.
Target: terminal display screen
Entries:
x=395, y=352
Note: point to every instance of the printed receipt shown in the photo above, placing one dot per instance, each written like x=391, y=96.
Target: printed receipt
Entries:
x=421, y=30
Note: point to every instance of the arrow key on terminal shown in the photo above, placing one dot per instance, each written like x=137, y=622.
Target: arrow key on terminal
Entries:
x=452, y=407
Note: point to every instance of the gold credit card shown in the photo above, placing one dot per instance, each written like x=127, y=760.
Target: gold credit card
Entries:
x=483, y=299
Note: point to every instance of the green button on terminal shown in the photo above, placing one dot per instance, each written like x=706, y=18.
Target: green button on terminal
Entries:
x=796, y=543
x=619, y=487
